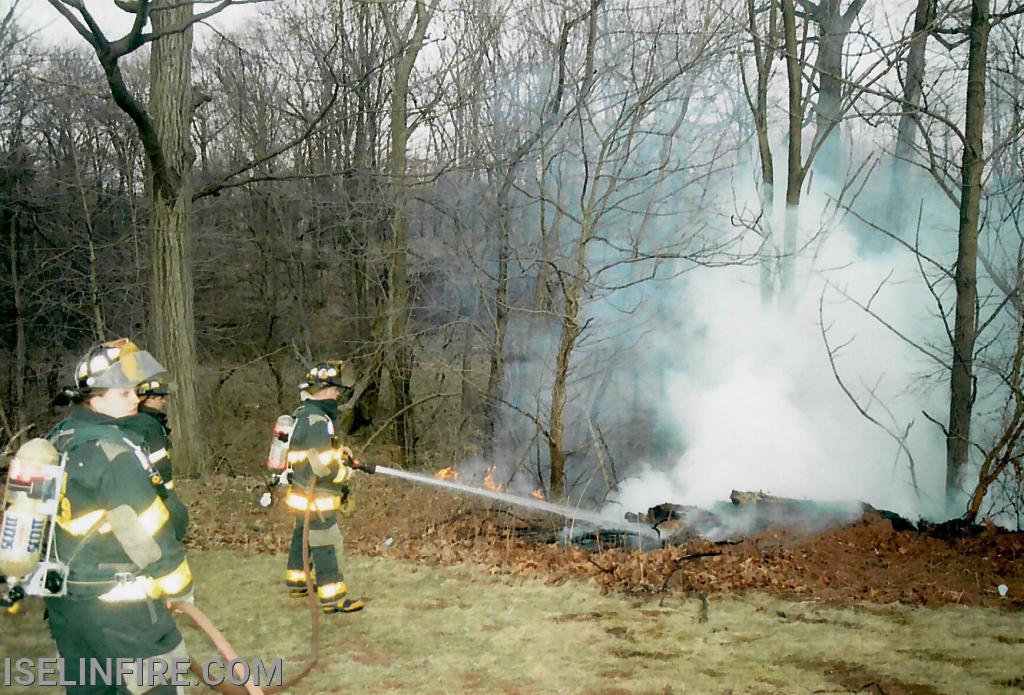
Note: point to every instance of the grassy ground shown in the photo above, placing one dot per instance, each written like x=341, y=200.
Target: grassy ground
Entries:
x=459, y=630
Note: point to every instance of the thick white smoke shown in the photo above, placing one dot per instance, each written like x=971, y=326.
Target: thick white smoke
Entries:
x=758, y=407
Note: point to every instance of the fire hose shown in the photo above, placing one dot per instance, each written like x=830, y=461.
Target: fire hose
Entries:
x=228, y=652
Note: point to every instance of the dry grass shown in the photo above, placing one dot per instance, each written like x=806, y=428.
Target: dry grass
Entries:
x=430, y=630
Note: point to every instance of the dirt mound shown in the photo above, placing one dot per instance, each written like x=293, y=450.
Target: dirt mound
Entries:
x=866, y=560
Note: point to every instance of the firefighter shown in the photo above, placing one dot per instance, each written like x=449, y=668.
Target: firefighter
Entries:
x=126, y=568
x=150, y=424
x=314, y=451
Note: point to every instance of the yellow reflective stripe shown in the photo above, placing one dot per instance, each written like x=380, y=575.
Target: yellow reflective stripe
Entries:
x=296, y=456
x=333, y=590
x=154, y=517
x=342, y=474
x=138, y=589
x=169, y=485
x=158, y=455
x=320, y=504
x=83, y=524
x=294, y=576
x=176, y=581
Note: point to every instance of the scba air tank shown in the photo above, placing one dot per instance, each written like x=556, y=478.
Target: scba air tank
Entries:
x=32, y=490
x=21, y=538
x=277, y=460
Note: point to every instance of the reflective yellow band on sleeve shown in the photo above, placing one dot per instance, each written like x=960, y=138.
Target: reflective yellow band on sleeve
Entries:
x=175, y=582
x=152, y=519
x=158, y=455
x=343, y=472
x=297, y=456
x=299, y=502
x=82, y=525
x=141, y=588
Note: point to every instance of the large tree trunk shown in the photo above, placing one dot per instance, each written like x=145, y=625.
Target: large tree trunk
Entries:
x=833, y=27
x=172, y=322
x=406, y=46
x=830, y=88
x=961, y=401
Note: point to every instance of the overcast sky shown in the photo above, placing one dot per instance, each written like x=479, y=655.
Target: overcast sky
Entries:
x=39, y=15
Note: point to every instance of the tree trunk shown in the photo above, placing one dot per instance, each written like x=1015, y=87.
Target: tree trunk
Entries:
x=833, y=28
x=795, y=168
x=571, y=330
x=549, y=115
x=906, y=134
x=172, y=322
x=496, y=373
x=556, y=434
x=830, y=87
x=20, y=349
x=407, y=47
x=764, y=51
x=961, y=401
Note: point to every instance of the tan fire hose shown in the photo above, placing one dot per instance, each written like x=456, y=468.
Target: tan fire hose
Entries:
x=228, y=652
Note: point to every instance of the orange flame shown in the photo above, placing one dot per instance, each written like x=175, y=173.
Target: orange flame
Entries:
x=538, y=493
x=489, y=480
x=447, y=474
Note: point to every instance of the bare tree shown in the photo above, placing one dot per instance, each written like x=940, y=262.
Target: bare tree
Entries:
x=549, y=120
x=834, y=25
x=618, y=170
x=406, y=36
x=839, y=94
x=164, y=131
x=765, y=45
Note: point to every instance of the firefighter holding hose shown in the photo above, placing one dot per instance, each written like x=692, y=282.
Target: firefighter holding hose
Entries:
x=125, y=566
x=314, y=451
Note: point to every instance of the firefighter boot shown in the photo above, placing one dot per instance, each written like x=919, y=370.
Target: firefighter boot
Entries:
x=333, y=599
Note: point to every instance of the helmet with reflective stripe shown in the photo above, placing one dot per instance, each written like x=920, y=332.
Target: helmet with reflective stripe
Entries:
x=116, y=364
x=330, y=373
x=153, y=387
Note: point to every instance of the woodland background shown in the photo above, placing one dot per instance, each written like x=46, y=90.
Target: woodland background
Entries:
x=506, y=214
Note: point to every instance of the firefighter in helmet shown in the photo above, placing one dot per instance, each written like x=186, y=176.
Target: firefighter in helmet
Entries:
x=314, y=451
x=150, y=425
x=126, y=568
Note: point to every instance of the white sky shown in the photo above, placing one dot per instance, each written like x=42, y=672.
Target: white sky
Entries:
x=39, y=16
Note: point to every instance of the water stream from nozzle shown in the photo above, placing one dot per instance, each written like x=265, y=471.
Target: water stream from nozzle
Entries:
x=528, y=502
